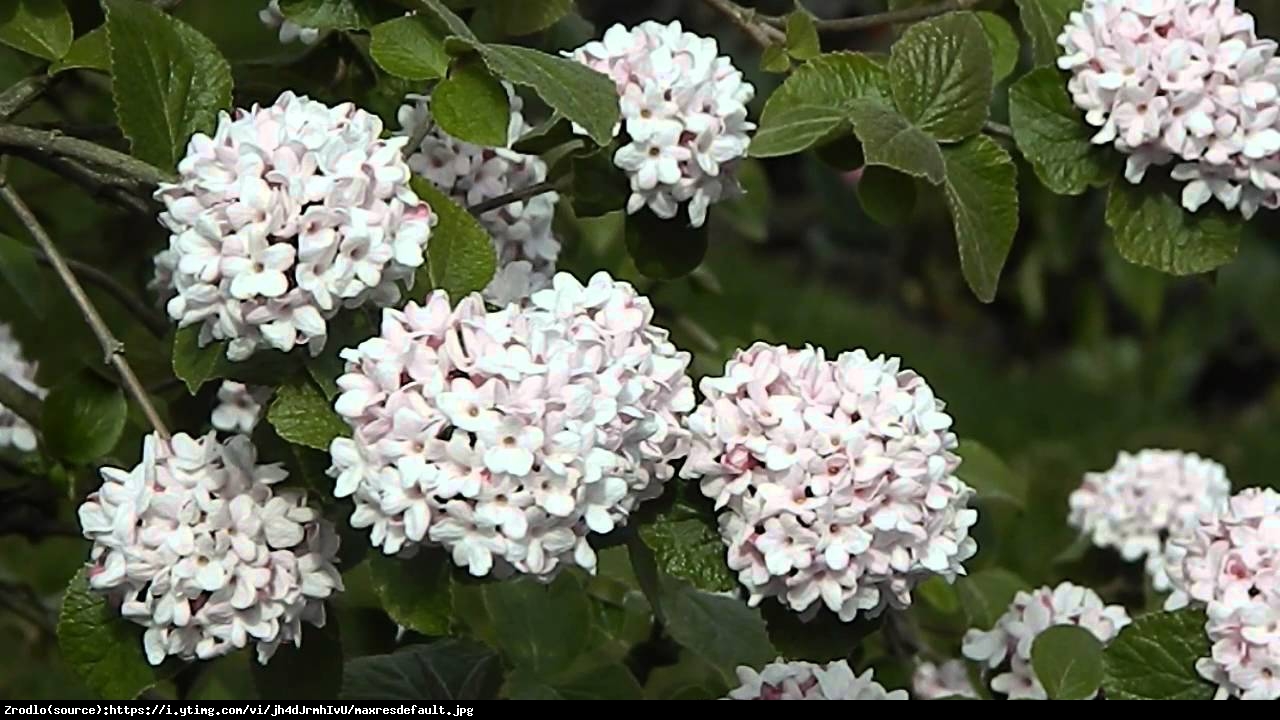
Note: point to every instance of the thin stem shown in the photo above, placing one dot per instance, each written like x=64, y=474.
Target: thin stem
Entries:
x=113, y=348
x=155, y=324
x=24, y=403
x=1000, y=129
x=122, y=191
x=520, y=195
x=891, y=17
x=415, y=140
x=752, y=24
x=21, y=94
x=52, y=142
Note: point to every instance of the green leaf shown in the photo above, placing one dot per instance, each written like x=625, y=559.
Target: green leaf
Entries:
x=196, y=365
x=599, y=682
x=688, y=547
x=37, y=27
x=599, y=187
x=472, y=105
x=689, y=679
x=1150, y=228
x=408, y=47
x=311, y=672
x=330, y=14
x=1155, y=658
x=985, y=472
x=890, y=140
x=415, y=592
x=823, y=638
x=665, y=249
x=887, y=195
x=168, y=80
x=83, y=418
x=1054, y=137
x=460, y=255
x=103, y=648
x=301, y=415
x=541, y=628
x=721, y=630
x=448, y=669
x=795, y=129
x=446, y=17
x=775, y=59
x=802, y=36
x=18, y=267
x=982, y=193
x=1043, y=20
x=1068, y=662
x=940, y=71
x=577, y=92
x=88, y=52
x=1004, y=44
x=524, y=17
x=986, y=594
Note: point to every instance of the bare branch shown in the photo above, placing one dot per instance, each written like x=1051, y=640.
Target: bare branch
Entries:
x=52, y=142
x=154, y=323
x=750, y=22
x=24, y=403
x=21, y=94
x=892, y=17
x=522, y=194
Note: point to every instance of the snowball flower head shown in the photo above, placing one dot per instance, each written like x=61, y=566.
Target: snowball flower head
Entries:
x=471, y=174
x=287, y=214
x=684, y=109
x=934, y=682
x=835, y=481
x=273, y=17
x=14, y=431
x=197, y=546
x=508, y=437
x=1144, y=498
x=1230, y=562
x=782, y=680
x=1186, y=82
x=1030, y=614
x=239, y=407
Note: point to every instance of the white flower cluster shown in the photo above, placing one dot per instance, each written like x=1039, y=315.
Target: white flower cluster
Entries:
x=1185, y=81
x=509, y=436
x=14, y=431
x=1230, y=561
x=836, y=479
x=799, y=680
x=285, y=215
x=1030, y=614
x=274, y=18
x=1145, y=498
x=197, y=547
x=239, y=407
x=685, y=113
x=471, y=174
x=935, y=682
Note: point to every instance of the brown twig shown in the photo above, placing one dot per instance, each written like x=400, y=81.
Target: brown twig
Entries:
x=154, y=323
x=523, y=193
x=891, y=17
x=24, y=403
x=111, y=347
x=21, y=94
x=750, y=22
x=51, y=142
x=126, y=193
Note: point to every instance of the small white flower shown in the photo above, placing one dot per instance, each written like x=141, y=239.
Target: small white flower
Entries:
x=274, y=18
x=934, y=682
x=14, y=431
x=239, y=407
x=799, y=680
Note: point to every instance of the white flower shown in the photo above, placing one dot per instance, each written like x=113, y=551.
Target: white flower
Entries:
x=509, y=436
x=274, y=18
x=239, y=407
x=1145, y=498
x=14, y=431
x=1030, y=614
x=934, y=682
x=835, y=480
x=1185, y=81
x=684, y=112
x=799, y=680
x=287, y=214
x=522, y=234
x=1229, y=561
x=195, y=545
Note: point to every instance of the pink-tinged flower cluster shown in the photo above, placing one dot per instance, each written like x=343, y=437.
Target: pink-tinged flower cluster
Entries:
x=835, y=481
x=1182, y=81
x=948, y=680
x=510, y=436
x=1030, y=614
x=239, y=407
x=197, y=546
x=286, y=215
x=799, y=680
x=273, y=17
x=14, y=431
x=1143, y=499
x=684, y=109
x=1230, y=562
x=471, y=174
